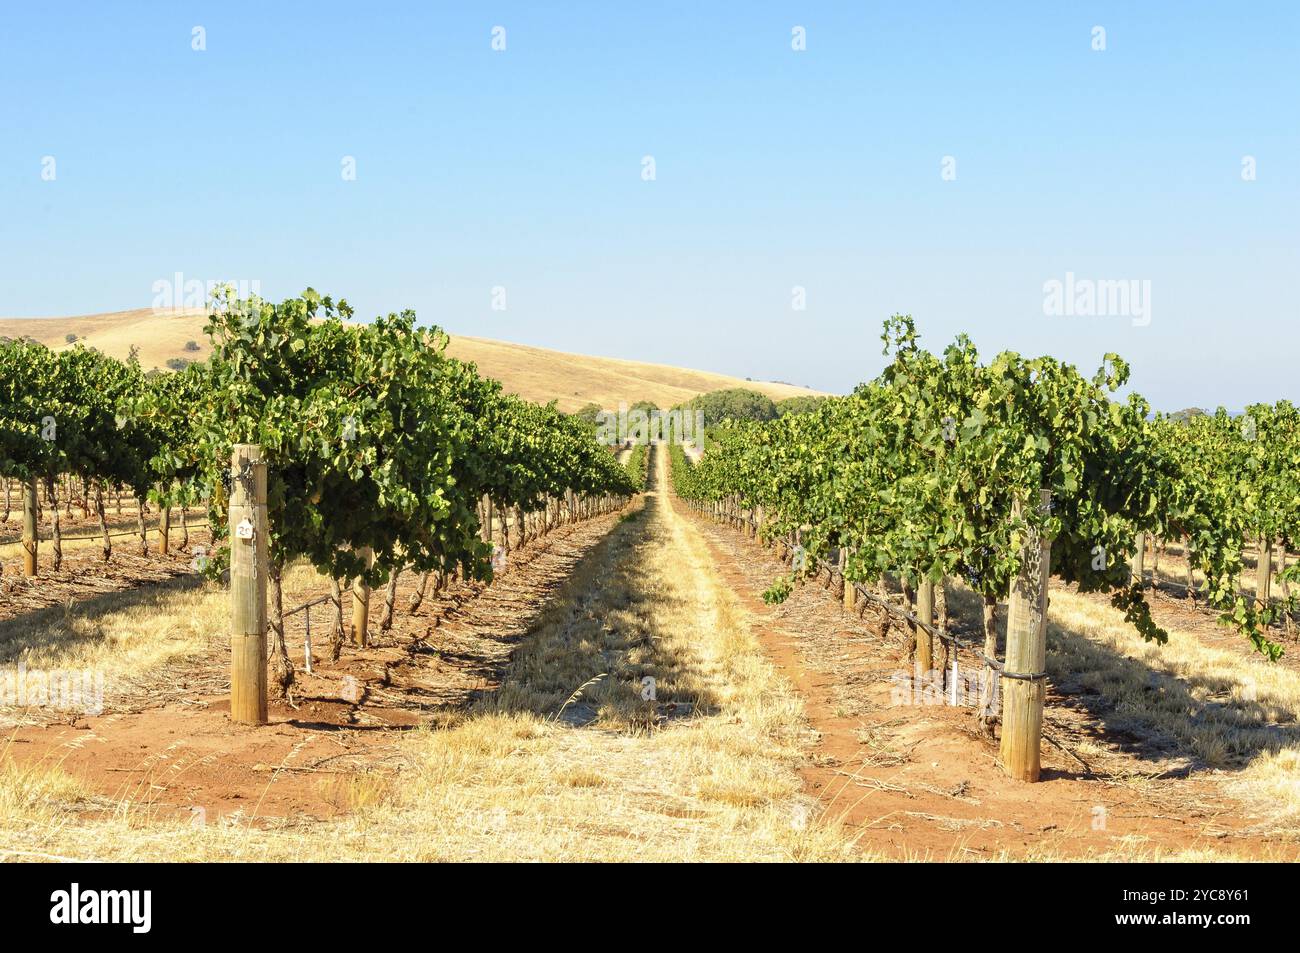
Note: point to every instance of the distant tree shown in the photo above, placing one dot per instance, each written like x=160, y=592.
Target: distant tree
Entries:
x=191, y=345
x=587, y=413
x=70, y=338
x=803, y=404
x=645, y=405
x=736, y=403
x=178, y=363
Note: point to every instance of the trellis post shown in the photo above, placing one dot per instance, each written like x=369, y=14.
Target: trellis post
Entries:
x=248, y=578
x=361, y=602
x=1023, y=679
x=925, y=613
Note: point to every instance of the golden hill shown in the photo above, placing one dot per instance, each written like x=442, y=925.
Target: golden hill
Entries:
x=534, y=373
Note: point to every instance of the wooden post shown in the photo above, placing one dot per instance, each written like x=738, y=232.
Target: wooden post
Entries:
x=1139, y=560
x=29, y=527
x=248, y=576
x=361, y=602
x=164, y=529
x=1264, y=571
x=1022, y=695
x=924, y=640
x=850, y=593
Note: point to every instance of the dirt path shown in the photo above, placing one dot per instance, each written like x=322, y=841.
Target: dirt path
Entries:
x=915, y=780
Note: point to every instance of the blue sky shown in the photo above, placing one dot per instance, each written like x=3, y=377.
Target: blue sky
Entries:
x=774, y=169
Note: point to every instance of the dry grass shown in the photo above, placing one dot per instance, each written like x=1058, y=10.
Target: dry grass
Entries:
x=159, y=336
x=1271, y=782
x=574, y=379
x=124, y=633
x=128, y=636
x=534, y=373
x=363, y=791
x=1228, y=710
x=14, y=551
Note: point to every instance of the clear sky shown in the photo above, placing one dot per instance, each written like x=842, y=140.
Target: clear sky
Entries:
x=774, y=168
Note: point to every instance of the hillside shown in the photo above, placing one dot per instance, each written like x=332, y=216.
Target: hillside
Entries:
x=535, y=373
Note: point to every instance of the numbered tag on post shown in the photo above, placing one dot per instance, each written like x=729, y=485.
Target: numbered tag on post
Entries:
x=244, y=530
